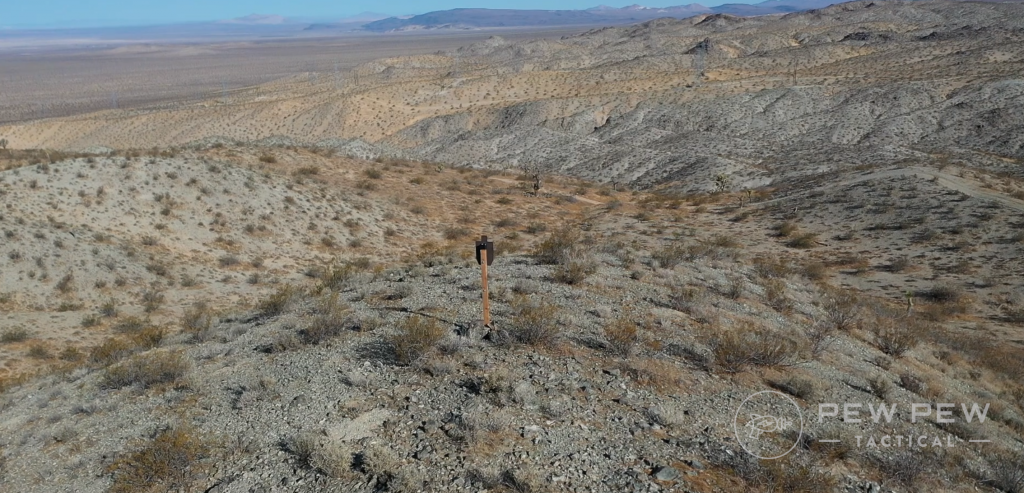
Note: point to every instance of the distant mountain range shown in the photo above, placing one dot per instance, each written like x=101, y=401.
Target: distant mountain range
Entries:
x=600, y=15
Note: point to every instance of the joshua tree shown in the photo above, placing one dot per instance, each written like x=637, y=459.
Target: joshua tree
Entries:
x=533, y=171
x=722, y=183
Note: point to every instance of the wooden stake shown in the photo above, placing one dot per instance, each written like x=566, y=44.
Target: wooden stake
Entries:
x=487, y=300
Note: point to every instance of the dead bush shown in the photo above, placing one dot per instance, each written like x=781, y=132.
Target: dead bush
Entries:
x=771, y=267
x=168, y=462
x=146, y=370
x=815, y=271
x=902, y=467
x=1006, y=472
x=417, y=336
x=820, y=334
x=533, y=323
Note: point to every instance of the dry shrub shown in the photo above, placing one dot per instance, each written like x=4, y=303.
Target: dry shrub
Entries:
x=775, y=295
x=670, y=256
x=622, y=335
x=815, y=271
x=785, y=229
x=912, y=383
x=115, y=349
x=880, y=386
x=558, y=246
x=329, y=320
x=1006, y=472
x=943, y=293
x=337, y=276
x=661, y=375
x=12, y=335
x=565, y=249
x=167, y=463
x=130, y=325
x=152, y=299
x=895, y=334
x=790, y=477
x=575, y=268
x=842, y=309
x=688, y=299
x=804, y=241
x=146, y=370
x=417, y=336
x=278, y=302
x=801, y=387
x=197, y=318
x=902, y=467
x=820, y=335
x=772, y=267
x=306, y=171
x=534, y=322
x=750, y=344
x=333, y=459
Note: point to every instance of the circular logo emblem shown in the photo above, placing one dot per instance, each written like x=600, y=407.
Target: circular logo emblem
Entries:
x=768, y=424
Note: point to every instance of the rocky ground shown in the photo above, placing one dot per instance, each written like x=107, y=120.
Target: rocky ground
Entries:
x=622, y=348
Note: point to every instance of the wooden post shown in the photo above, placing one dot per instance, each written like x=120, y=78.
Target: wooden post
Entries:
x=487, y=301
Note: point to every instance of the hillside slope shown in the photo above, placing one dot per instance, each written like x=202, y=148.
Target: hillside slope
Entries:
x=861, y=83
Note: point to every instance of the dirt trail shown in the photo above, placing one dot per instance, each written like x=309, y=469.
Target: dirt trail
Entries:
x=947, y=180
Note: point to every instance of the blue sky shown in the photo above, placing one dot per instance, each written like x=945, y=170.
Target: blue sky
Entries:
x=81, y=13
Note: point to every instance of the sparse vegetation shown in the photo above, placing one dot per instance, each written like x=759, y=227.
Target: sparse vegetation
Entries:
x=167, y=462
x=13, y=335
x=146, y=370
x=417, y=336
x=533, y=322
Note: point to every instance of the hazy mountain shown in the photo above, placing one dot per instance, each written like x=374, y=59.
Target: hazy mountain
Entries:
x=256, y=19
x=599, y=15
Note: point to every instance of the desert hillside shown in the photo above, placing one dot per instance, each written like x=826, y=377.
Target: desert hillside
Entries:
x=225, y=318
x=276, y=290
x=763, y=99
